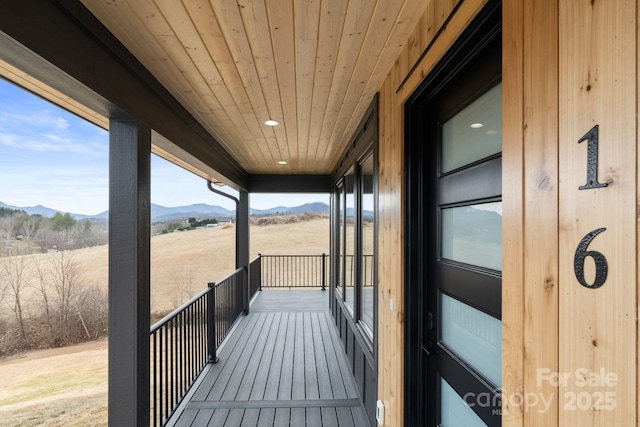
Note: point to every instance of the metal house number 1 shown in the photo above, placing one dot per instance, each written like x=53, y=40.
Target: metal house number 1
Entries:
x=582, y=253
x=592, y=159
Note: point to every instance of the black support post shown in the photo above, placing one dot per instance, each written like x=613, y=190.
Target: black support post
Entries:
x=129, y=260
x=242, y=242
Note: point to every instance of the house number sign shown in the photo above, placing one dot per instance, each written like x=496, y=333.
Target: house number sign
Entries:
x=582, y=253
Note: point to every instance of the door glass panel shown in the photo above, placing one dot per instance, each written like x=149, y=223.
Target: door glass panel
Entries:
x=473, y=235
x=366, y=178
x=349, y=240
x=474, y=133
x=455, y=411
x=474, y=336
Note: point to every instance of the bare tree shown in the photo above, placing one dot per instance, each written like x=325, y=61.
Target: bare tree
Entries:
x=15, y=275
x=183, y=290
x=7, y=226
x=28, y=226
x=65, y=279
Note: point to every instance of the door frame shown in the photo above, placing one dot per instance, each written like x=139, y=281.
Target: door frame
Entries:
x=485, y=27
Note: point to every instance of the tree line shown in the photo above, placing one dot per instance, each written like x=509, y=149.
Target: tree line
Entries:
x=21, y=233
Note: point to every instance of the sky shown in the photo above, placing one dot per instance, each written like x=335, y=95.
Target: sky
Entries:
x=53, y=158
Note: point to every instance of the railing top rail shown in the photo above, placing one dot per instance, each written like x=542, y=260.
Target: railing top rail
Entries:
x=255, y=259
x=294, y=256
x=177, y=311
x=229, y=276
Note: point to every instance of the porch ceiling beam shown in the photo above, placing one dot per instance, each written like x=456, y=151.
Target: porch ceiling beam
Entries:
x=290, y=183
x=60, y=43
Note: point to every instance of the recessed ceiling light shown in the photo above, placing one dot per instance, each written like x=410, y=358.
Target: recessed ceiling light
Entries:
x=476, y=125
x=282, y=162
x=271, y=123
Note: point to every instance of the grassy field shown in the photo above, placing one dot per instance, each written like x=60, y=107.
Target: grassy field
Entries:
x=68, y=386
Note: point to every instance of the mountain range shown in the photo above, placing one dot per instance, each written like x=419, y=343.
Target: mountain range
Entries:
x=163, y=213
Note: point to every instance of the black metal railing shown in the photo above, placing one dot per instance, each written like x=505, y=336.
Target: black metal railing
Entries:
x=187, y=339
x=227, y=300
x=179, y=351
x=294, y=271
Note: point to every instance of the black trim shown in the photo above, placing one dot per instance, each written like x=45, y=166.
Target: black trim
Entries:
x=420, y=160
x=359, y=345
x=290, y=183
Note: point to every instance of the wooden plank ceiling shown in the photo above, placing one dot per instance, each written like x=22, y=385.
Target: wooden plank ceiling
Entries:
x=312, y=65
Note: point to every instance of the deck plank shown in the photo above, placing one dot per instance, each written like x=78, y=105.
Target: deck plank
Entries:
x=329, y=417
x=231, y=378
x=335, y=374
x=345, y=418
x=314, y=417
x=235, y=418
x=260, y=356
x=203, y=418
x=324, y=378
x=250, y=418
x=283, y=415
x=231, y=348
x=279, y=368
x=219, y=417
x=277, y=361
x=310, y=370
x=298, y=386
x=268, y=361
x=298, y=417
x=186, y=418
x=267, y=417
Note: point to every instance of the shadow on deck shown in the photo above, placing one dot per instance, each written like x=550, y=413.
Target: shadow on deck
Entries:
x=283, y=365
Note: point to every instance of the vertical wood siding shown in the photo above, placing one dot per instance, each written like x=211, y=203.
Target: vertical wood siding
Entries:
x=567, y=66
x=597, y=327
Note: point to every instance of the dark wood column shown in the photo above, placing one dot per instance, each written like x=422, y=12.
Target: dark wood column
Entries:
x=129, y=264
x=242, y=219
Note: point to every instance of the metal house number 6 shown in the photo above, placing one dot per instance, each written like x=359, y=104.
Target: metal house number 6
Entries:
x=582, y=253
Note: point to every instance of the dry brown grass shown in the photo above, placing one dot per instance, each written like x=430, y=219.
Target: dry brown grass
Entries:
x=68, y=386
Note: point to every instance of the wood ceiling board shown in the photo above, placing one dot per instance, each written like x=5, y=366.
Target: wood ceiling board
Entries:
x=139, y=23
x=206, y=23
x=275, y=60
x=405, y=22
x=311, y=65
x=355, y=29
x=307, y=28
x=332, y=18
x=256, y=24
x=381, y=26
x=222, y=103
x=233, y=29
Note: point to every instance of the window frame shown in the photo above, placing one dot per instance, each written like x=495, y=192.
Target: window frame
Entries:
x=355, y=311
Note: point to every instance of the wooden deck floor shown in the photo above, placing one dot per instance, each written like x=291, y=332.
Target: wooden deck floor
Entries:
x=283, y=366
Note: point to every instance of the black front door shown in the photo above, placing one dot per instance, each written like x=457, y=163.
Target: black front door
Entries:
x=455, y=248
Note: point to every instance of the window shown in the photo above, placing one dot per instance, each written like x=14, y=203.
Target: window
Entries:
x=367, y=245
x=355, y=196
x=349, y=240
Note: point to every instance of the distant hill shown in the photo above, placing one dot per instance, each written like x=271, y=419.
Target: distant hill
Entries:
x=163, y=213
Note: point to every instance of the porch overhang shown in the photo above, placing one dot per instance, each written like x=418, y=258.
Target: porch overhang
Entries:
x=61, y=46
